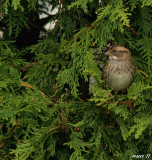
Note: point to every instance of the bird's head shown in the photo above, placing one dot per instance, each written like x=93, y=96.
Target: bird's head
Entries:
x=119, y=53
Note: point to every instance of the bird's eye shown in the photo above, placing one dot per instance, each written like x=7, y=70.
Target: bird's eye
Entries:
x=115, y=51
x=124, y=52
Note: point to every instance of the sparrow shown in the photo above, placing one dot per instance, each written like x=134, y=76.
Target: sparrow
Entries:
x=119, y=71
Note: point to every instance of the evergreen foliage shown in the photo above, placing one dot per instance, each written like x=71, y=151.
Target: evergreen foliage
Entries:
x=42, y=113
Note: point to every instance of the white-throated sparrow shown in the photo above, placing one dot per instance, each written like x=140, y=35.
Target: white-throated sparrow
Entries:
x=119, y=70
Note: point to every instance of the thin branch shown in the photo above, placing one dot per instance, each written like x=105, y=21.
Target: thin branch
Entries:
x=30, y=65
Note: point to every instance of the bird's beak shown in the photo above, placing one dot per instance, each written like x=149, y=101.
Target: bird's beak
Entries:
x=108, y=53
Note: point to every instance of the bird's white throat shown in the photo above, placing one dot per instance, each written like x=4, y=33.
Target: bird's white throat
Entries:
x=113, y=57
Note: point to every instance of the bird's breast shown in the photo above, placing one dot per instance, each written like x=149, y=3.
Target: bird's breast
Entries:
x=118, y=74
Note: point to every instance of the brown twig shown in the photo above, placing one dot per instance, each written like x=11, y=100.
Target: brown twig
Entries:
x=88, y=30
x=31, y=87
x=30, y=65
x=133, y=31
x=26, y=85
x=129, y=104
x=52, y=129
x=76, y=38
x=126, y=103
x=42, y=93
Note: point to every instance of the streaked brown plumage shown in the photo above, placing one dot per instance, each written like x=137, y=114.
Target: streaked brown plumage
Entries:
x=119, y=70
